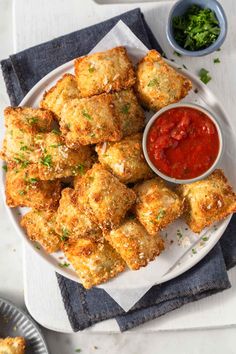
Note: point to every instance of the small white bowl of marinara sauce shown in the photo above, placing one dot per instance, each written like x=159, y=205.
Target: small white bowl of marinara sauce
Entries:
x=183, y=143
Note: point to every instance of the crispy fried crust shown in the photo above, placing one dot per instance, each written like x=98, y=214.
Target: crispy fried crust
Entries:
x=90, y=121
x=134, y=244
x=207, y=201
x=130, y=113
x=40, y=227
x=157, y=205
x=77, y=178
x=65, y=89
x=14, y=345
x=24, y=190
x=22, y=123
x=158, y=84
x=71, y=222
x=106, y=71
x=125, y=159
x=56, y=160
x=94, y=262
x=104, y=197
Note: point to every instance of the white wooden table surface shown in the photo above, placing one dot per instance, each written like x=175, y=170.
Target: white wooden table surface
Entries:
x=37, y=21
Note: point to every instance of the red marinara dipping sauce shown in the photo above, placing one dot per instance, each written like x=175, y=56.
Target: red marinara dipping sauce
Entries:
x=183, y=143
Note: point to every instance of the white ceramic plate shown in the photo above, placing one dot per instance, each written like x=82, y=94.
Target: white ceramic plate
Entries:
x=181, y=253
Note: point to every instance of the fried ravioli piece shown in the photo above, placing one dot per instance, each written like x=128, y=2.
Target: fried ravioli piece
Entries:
x=14, y=345
x=134, y=244
x=57, y=160
x=40, y=227
x=65, y=89
x=90, y=121
x=158, y=84
x=94, y=262
x=24, y=190
x=106, y=71
x=22, y=123
x=71, y=222
x=207, y=201
x=125, y=159
x=157, y=205
x=104, y=197
x=130, y=113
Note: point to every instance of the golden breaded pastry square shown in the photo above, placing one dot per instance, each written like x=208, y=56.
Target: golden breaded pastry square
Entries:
x=106, y=71
x=24, y=190
x=65, y=89
x=56, y=160
x=14, y=345
x=40, y=227
x=71, y=222
x=130, y=113
x=104, y=197
x=31, y=120
x=90, y=121
x=134, y=244
x=158, y=84
x=22, y=123
x=157, y=205
x=207, y=201
x=125, y=159
x=94, y=262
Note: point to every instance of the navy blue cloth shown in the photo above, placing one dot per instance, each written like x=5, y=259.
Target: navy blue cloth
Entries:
x=87, y=307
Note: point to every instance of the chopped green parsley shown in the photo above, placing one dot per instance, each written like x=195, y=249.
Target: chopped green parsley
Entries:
x=32, y=180
x=86, y=115
x=196, y=29
x=179, y=234
x=55, y=145
x=56, y=131
x=24, y=148
x=22, y=192
x=216, y=60
x=161, y=214
x=65, y=234
x=153, y=82
x=23, y=163
x=205, y=238
x=177, y=54
x=91, y=69
x=78, y=169
x=64, y=265
x=4, y=167
x=204, y=76
x=125, y=108
x=37, y=246
x=32, y=120
x=46, y=161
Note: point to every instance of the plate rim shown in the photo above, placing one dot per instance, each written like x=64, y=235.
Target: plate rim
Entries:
x=62, y=69
x=29, y=319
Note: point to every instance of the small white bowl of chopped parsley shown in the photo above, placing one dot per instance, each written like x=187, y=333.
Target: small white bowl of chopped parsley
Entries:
x=196, y=27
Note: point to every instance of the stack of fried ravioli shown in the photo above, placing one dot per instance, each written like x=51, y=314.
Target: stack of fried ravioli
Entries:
x=77, y=161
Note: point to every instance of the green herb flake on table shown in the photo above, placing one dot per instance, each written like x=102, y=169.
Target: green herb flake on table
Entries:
x=204, y=76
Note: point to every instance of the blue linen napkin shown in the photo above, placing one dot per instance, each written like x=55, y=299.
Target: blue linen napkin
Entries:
x=21, y=72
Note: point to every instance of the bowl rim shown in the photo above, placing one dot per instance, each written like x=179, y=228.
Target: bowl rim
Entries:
x=212, y=48
x=212, y=116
